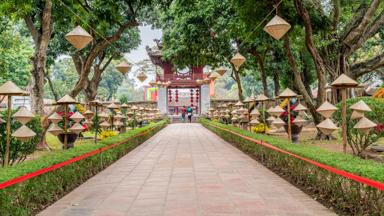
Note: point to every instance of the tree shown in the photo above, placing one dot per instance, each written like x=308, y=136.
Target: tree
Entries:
x=15, y=52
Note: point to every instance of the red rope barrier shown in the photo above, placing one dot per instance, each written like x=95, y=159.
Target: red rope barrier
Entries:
x=367, y=181
x=67, y=162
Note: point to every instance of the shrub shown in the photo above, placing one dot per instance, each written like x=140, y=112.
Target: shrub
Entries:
x=30, y=196
x=356, y=140
x=345, y=195
x=107, y=133
x=19, y=150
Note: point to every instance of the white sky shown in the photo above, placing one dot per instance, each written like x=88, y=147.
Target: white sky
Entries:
x=147, y=35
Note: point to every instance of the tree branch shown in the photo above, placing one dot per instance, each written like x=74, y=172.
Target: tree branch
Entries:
x=367, y=66
x=32, y=29
x=357, y=31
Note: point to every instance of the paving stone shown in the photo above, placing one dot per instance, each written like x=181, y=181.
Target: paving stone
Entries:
x=186, y=170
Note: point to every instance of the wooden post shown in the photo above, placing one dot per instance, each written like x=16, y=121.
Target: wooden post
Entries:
x=8, y=143
x=262, y=111
x=289, y=120
x=96, y=123
x=344, y=117
x=65, y=126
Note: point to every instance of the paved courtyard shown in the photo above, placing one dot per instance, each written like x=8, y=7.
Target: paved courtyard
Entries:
x=186, y=170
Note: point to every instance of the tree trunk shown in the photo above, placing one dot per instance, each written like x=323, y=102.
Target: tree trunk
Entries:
x=236, y=77
x=276, y=82
x=41, y=37
x=261, y=61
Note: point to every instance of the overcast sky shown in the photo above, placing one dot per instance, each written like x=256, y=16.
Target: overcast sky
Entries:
x=147, y=36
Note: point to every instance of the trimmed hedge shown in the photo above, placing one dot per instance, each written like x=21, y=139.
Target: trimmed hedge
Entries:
x=31, y=196
x=344, y=195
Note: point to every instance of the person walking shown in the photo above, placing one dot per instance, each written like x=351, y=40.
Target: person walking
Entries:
x=183, y=113
x=189, y=113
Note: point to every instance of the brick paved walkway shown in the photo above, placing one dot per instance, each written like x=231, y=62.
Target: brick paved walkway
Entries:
x=186, y=170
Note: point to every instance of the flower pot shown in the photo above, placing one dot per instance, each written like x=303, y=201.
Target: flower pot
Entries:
x=72, y=137
x=295, y=132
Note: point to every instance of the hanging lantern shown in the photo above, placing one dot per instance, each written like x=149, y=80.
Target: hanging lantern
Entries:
x=365, y=125
x=141, y=76
x=237, y=61
x=221, y=71
x=55, y=118
x=23, y=134
x=327, y=126
x=326, y=109
x=277, y=27
x=76, y=128
x=78, y=37
x=55, y=130
x=23, y=116
x=77, y=117
x=124, y=67
x=278, y=122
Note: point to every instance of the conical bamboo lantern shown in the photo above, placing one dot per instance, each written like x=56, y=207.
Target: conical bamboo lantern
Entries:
x=278, y=122
x=23, y=134
x=88, y=114
x=234, y=119
x=78, y=37
x=261, y=97
x=124, y=67
x=239, y=104
x=221, y=71
x=23, y=116
x=76, y=128
x=141, y=76
x=357, y=114
x=344, y=81
x=254, y=122
x=66, y=100
x=326, y=109
x=243, y=110
x=118, y=123
x=327, y=126
x=214, y=75
x=238, y=60
x=234, y=112
x=299, y=121
x=10, y=88
x=88, y=122
x=105, y=125
x=360, y=106
x=287, y=93
x=270, y=119
x=55, y=130
x=255, y=112
x=276, y=111
x=118, y=116
x=55, y=118
x=277, y=27
x=103, y=115
x=77, y=117
x=227, y=116
x=365, y=125
x=299, y=108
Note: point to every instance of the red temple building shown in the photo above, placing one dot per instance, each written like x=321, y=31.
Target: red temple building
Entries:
x=182, y=88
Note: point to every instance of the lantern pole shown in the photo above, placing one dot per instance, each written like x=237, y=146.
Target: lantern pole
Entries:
x=289, y=120
x=344, y=117
x=65, y=126
x=8, y=143
x=97, y=123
